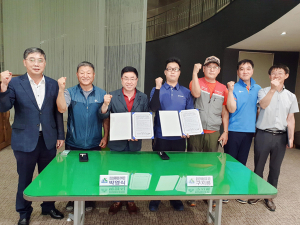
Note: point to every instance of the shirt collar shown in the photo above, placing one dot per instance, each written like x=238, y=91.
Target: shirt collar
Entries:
x=167, y=86
x=32, y=81
x=252, y=82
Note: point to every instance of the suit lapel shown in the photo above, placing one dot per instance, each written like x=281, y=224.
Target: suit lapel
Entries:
x=27, y=88
x=48, y=86
x=122, y=100
x=137, y=101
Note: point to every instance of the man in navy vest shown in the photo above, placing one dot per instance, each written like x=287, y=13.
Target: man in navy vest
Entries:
x=83, y=102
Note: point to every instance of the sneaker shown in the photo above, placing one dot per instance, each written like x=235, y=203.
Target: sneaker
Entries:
x=153, y=205
x=225, y=201
x=70, y=206
x=253, y=201
x=242, y=201
x=89, y=206
x=191, y=203
x=177, y=205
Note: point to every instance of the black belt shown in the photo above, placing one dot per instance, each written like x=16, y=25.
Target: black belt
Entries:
x=40, y=133
x=275, y=131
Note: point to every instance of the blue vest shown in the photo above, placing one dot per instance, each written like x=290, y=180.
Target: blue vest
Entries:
x=84, y=123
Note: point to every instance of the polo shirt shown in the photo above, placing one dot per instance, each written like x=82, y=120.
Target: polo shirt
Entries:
x=171, y=98
x=129, y=103
x=274, y=116
x=244, y=117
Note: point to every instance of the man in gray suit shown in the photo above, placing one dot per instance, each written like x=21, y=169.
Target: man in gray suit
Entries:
x=126, y=99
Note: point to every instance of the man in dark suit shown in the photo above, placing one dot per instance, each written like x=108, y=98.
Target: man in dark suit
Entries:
x=38, y=126
x=126, y=99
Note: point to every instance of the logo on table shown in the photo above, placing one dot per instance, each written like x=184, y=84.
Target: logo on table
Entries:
x=104, y=181
x=191, y=181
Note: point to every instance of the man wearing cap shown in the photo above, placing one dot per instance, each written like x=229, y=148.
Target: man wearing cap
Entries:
x=210, y=98
x=275, y=127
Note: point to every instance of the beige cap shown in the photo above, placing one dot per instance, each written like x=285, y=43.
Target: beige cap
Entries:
x=212, y=59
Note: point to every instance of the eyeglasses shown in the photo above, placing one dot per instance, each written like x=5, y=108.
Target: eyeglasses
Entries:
x=213, y=67
x=129, y=79
x=33, y=60
x=172, y=69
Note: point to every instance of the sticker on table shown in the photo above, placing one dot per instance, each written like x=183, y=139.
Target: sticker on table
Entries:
x=199, y=190
x=167, y=183
x=140, y=181
x=200, y=181
x=113, y=180
x=104, y=190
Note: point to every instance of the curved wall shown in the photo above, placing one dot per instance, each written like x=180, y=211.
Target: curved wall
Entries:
x=239, y=20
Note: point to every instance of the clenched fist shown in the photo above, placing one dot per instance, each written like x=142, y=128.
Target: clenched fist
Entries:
x=158, y=82
x=197, y=68
x=62, y=83
x=275, y=85
x=5, y=79
x=107, y=99
x=230, y=85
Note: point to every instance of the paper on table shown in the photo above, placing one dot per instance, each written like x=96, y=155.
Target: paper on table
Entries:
x=169, y=122
x=190, y=122
x=120, y=126
x=112, y=172
x=140, y=181
x=142, y=125
x=166, y=183
x=181, y=184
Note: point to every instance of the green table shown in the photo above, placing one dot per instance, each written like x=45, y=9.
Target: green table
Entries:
x=67, y=179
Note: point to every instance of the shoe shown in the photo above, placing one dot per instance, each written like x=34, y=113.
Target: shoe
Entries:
x=270, y=204
x=177, y=205
x=54, y=213
x=191, y=203
x=70, y=206
x=89, y=206
x=242, y=201
x=114, y=208
x=213, y=203
x=24, y=221
x=253, y=201
x=131, y=208
x=153, y=205
x=225, y=201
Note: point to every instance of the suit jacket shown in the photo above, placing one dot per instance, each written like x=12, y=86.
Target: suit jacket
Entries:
x=28, y=116
x=118, y=105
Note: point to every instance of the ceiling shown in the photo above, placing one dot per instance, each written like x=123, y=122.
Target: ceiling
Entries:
x=270, y=38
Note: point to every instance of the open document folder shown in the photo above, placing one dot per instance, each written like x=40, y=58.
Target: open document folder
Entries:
x=174, y=123
x=131, y=125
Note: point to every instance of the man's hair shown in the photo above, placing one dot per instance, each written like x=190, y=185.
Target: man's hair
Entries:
x=173, y=59
x=33, y=50
x=129, y=69
x=279, y=66
x=85, y=63
x=244, y=61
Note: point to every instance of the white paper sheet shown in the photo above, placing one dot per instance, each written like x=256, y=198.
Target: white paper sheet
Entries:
x=169, y=122
x=167, y=183
x=190, y=122
x=140, y=181
x=120, y=126
x=142, y=125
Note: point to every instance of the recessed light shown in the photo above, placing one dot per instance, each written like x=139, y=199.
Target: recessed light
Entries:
x=283, y=33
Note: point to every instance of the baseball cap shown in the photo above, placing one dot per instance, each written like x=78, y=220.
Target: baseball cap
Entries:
x=212, y=59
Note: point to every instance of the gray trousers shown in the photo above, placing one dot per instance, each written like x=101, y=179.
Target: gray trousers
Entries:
x=266, y=144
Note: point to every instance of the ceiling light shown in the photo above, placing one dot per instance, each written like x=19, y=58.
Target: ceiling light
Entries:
x=283, y=33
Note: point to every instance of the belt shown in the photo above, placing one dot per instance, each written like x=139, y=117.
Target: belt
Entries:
x=275, y=131
x=40, y=133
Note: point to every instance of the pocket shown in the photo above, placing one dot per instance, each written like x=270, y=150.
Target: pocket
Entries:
x=18, y=126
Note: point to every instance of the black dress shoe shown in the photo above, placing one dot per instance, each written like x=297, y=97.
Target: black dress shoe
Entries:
x=55, y=214
x=23, y=221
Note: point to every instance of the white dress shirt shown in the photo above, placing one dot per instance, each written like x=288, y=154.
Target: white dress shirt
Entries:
x=38, y=91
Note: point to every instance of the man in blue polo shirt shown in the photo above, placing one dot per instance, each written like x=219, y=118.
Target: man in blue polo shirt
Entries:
x=241, y=104
x=169, y=96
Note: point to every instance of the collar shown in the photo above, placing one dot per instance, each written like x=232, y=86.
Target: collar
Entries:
x=81, y=90
x=167, y=86
x=252, y=82
x=126, y=95
x=32, y=81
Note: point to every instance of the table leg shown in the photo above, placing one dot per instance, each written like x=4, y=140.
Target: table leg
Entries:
x=79, y=211
x=217, y=215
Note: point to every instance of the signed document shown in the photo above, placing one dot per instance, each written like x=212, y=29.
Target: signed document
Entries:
x=120, y=126
x=142, y=125
x=190, y=122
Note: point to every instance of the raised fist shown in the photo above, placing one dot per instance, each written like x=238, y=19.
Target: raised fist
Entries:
x=275, y=84
x=158, y=82
x=62, y=83
x=107, y=99
x=197, y=68
x=230, y=85
x=5, y=79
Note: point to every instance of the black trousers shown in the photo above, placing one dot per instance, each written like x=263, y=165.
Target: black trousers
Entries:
x=159, y=144
x=26, y=162
x=266, y=144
